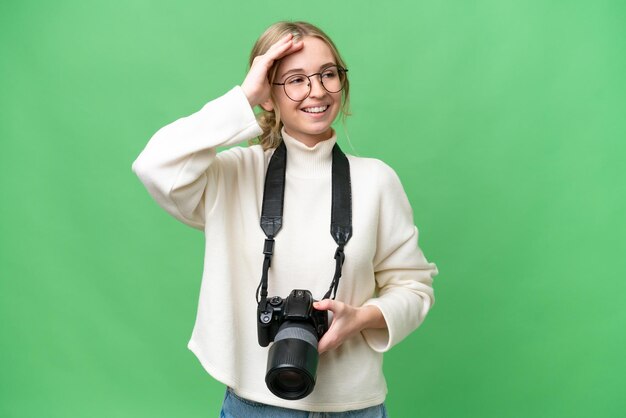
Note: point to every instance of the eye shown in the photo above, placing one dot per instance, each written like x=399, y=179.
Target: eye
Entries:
x=329, y=73
x=296, y=80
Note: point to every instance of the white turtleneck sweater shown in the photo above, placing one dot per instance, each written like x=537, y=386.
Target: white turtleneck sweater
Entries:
x=222, y=194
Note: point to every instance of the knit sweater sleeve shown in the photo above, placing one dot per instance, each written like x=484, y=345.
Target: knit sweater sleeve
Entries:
x=403, y=275
x=174, y=165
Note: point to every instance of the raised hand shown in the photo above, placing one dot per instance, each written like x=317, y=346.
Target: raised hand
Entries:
x=256, y=86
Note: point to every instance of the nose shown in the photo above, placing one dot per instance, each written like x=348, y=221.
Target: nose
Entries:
x=317, y=89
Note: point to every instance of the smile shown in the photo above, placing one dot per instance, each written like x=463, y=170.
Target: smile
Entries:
x=317, y=109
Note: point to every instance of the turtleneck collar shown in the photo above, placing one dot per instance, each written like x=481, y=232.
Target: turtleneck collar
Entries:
x=309, y=162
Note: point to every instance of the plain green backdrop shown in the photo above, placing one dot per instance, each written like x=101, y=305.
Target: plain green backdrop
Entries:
x=505, y=121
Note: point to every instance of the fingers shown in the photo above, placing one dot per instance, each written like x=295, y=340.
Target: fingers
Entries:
x=283, y=47
x=327, y=343
x=334, y=337
x=291, y=46
x=343, y=326
x=255, y=85
x=326, y=305
x=329, y=340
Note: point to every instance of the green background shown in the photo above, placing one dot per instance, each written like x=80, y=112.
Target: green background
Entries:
x=505, y=120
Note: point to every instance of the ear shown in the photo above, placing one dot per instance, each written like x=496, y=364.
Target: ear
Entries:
x=268, y=105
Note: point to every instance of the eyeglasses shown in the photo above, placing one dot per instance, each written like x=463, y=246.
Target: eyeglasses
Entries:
x=298, y=86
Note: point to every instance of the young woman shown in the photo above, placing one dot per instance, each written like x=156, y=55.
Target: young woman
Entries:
x=300, y=82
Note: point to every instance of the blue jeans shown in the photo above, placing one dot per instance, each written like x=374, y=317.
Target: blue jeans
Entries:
x=236, y=407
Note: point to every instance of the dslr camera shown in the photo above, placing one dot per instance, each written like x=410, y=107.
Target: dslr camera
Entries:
x=295, y=328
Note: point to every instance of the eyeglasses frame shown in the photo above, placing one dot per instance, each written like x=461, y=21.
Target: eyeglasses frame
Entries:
x=339, y=70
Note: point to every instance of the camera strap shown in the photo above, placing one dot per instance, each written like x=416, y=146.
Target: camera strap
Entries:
x=272, y=212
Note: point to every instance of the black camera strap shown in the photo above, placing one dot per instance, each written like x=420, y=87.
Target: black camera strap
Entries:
x=272, y=212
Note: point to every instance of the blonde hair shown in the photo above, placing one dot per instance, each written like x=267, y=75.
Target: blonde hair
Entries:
x=270, y=120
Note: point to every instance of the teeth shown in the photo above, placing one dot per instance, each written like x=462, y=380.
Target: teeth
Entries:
x=319, y=109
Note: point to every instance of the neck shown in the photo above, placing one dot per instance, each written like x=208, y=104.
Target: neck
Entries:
x=306, y=161
x=311, y=140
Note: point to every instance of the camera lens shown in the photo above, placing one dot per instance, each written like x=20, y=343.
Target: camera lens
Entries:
x=292, y=361
x=290, y=381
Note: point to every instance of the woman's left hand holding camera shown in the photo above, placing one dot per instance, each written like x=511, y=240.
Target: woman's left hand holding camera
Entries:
x=347, y=322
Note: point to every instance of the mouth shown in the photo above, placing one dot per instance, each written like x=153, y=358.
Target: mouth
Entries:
x=315, y=109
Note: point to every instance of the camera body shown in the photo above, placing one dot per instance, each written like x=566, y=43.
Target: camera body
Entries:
x=296, y=308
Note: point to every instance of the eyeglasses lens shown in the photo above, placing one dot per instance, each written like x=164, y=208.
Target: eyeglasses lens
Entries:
x=298, y=86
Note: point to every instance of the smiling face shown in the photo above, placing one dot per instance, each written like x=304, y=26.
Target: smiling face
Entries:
x=309, y=121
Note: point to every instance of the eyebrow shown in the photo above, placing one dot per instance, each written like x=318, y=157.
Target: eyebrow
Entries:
x=301, y=70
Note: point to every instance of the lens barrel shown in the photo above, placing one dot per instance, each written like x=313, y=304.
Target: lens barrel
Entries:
x=292, y=361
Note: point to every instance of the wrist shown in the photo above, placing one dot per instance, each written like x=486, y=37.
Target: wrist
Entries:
x=249, y=95
x=371, y=317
